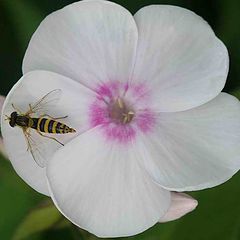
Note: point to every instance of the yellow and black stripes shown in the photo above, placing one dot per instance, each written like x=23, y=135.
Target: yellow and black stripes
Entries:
x=51, y=126
x=61, y=128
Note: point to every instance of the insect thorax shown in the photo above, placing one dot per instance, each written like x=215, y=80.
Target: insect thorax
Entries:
x=23, y=121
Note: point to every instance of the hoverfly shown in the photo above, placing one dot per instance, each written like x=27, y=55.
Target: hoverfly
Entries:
x=36, y=119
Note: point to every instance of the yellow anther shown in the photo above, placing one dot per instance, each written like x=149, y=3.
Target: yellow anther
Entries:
x=128, y=117
x=119, y=111
x=120, y=103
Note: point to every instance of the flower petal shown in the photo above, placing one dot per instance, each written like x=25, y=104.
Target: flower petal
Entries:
x=28, y=90
x=100, y=187
x=88, y=41
x=179, y=58
x=181, y=204
x=2, y=99
x=197, y=148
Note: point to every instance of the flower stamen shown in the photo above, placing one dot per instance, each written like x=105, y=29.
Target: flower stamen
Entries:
x=120, y=112
x=128, y=117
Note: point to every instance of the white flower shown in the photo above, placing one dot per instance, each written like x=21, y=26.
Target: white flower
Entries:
x=143, y=93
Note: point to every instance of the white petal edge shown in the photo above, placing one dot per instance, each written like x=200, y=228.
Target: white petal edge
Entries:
x=2, y=99
x=100, y=187
x=29, y=89
x=89, y=41
x=2, y=148
x=181, y=204
x=179, y=58
x=197, y=148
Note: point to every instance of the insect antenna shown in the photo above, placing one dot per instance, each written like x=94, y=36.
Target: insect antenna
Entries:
x=7, y=118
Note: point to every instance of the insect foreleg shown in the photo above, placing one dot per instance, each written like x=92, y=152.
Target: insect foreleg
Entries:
x=17, y=109
x=50, y=138
x=30, y=108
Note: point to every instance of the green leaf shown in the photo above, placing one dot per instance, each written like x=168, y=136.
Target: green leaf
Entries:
x=38, y=220
x=236, y=93
x=25, y=19
x=16, y=199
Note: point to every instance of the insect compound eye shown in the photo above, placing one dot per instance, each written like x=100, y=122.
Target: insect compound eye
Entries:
x=14, y=115
x=12, y=123
x=13, y=118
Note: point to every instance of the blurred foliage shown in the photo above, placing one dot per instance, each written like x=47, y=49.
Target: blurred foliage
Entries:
x=217, y=216
x=42, y=218
x=16, y=199
x=236, y=93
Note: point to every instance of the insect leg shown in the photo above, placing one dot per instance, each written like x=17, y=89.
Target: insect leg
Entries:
x=17, y=109
x=50, y=138
x=30, y=108
x=27, y=135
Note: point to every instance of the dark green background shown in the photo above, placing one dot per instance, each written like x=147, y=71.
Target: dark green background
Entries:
x=218, y=214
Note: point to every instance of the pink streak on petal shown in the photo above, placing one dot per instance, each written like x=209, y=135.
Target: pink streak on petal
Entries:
x=181, y=205
x=105, y=91
x=139, y=94
x=139, y=90
x=145, y=121
x=111, y=90
x=98, y=113
x=123, y=134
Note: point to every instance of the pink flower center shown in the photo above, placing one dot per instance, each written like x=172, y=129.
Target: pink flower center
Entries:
x=121, y=112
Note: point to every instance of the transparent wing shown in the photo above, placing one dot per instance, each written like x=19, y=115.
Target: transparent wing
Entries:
x=46, y=103
x=39, y=147
x=35, y=150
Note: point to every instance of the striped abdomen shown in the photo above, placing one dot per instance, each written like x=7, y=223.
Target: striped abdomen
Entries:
x=50, y=126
